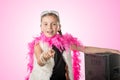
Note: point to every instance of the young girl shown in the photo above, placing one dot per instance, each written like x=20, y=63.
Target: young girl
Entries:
x=54, y=56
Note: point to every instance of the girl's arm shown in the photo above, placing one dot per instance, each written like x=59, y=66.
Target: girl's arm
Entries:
x=93, y=50
x=42, y=56
x=38, y=51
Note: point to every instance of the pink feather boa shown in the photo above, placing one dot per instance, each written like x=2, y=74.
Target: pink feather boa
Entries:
x=61, y=42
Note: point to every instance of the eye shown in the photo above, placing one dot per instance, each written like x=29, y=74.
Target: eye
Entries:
x=45, y=24
x=54, y=24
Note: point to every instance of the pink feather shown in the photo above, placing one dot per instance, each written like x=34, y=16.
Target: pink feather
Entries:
x=61, y=42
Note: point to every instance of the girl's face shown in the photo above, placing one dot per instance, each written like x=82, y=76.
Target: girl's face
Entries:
x=49, y=26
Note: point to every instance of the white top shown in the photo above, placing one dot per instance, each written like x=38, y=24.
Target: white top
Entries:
x=45, y=72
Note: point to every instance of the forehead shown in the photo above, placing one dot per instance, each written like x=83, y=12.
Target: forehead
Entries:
x=51, y=17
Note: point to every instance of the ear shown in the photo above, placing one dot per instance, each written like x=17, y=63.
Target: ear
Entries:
x=41, y=28
x=59, y=28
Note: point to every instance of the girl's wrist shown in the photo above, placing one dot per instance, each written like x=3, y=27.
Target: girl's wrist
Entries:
x=42, y=58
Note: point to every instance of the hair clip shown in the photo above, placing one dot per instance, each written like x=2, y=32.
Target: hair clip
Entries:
x=51, y=11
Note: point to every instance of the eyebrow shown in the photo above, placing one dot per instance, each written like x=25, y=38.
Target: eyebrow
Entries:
x=51, y=22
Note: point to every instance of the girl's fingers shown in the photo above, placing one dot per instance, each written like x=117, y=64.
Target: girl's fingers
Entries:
x=49, y=54
x=53, y=53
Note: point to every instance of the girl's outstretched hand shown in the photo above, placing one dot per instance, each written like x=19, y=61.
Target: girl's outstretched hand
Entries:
x=49, y=54
x=115, y=51
x=118, y=52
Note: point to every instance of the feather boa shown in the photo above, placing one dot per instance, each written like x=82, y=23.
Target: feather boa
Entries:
x=61, y=42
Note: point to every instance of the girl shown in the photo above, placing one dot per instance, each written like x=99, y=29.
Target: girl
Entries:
x=54, y=56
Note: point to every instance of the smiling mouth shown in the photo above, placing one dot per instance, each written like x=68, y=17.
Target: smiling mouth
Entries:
x=50, y=32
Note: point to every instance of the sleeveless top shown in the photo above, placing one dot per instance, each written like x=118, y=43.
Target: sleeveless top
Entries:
x=55, y=65
x=54, y=69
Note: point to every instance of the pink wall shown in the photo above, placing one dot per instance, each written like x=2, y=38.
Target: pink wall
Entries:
x=95, y=23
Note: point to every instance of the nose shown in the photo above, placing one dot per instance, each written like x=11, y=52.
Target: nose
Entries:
x=50, y=26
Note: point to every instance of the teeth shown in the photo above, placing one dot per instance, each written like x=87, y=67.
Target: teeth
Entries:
x=50, y=32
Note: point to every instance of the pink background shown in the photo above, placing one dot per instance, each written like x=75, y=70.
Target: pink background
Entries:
x=94, y=22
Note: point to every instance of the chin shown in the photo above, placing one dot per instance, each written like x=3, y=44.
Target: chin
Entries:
x=49, y=35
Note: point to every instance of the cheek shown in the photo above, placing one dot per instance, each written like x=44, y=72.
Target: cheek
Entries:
x=43, y=28
x=56, y=28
